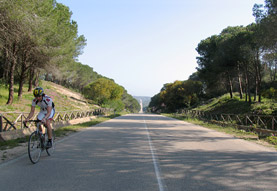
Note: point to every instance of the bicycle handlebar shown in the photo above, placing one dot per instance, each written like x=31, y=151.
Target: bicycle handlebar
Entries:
x=25, y=122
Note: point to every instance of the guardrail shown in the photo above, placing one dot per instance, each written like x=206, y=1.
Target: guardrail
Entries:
x=258, y=123
x=13, y=120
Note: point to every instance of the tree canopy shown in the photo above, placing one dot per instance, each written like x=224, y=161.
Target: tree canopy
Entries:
x=107, y=93
x=39, y=40
x=240, y=59
x=177, y=95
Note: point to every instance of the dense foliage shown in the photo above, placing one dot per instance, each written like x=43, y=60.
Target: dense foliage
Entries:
x=177, y=95
x=39, y=40
x=107, y=93
x=103, y=90
x=239, y=59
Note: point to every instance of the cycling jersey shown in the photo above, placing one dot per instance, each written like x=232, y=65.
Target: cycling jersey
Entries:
x=43, y=104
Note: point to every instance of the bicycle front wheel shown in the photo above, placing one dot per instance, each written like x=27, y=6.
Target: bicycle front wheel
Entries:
x=34, y=147
x=51, y=150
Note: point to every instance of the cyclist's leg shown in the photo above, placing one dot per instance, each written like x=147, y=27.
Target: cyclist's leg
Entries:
x=40, y=116
x=49, y=128
x=48, y=124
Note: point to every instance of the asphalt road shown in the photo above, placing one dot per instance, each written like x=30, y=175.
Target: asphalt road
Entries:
x=147, y=153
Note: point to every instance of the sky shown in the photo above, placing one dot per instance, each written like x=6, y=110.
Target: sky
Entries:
x=144, y=44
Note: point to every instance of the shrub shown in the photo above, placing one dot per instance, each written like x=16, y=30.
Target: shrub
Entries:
x=272, y=140
x=270, y=93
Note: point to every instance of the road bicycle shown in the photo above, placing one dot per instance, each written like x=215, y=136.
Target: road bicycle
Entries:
x=38, y=140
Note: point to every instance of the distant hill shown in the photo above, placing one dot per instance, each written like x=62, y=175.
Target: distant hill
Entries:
x=145, y=100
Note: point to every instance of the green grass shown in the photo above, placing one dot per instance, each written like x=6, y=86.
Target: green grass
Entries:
x=242, y=134
x=61, y=101
x=272, y=140
x=12, y=143
x=74, y=128
x=225, y=104
x=225, y=129
x=3, y=94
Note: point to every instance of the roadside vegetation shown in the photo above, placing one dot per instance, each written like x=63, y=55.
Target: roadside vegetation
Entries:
x=225, y=104
x=236, y=74
x=63, y=131
x=270, y=141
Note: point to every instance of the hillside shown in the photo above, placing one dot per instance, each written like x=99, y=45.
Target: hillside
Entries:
x=145, y=100
x=224, y=104
x=63, y=98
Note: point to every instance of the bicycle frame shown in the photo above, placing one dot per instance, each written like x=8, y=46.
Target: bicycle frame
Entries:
x=38, y=124
x=39, y=143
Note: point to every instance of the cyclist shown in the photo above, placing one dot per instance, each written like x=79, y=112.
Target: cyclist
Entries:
x=47, y=111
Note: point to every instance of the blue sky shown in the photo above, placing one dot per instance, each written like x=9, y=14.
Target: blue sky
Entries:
x=143, y=44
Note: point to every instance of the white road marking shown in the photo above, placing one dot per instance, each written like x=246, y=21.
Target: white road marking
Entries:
x=162, y=186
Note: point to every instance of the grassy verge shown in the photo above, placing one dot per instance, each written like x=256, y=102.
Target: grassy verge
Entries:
x=12, y=143
x=61, y=132
x=242, y=134
x=235, y=105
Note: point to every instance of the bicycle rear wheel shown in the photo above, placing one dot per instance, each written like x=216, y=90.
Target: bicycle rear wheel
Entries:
x=51, y=150
x=34, y=147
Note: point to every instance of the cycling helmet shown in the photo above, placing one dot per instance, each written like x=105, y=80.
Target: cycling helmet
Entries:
x=38, y=92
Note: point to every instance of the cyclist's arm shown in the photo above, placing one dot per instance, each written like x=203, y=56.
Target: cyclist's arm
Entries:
x=31, y=113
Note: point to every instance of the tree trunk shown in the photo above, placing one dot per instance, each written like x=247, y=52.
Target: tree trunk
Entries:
x=247, y=83
x=6, y=70
x=20, y=90
x=230, y=87
x=13, y=59
x=31, y=77
x=275, y=70
x=240, y=84
x=258, y=77
x=6, y=74
x=256, y=88
x=259, y=91
x=36, y=82
x=246, y=89
x=11, y=82
x=240, y=88
x=21, y=80
x=47, y=78
x=269, y=67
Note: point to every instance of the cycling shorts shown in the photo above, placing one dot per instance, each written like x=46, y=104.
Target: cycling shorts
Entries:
x=42, y=114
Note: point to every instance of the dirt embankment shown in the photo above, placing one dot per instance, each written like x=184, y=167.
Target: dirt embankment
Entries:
x=73, y=97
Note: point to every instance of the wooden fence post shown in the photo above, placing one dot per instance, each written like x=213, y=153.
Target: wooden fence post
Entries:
x=273, y=122
x=1, y=123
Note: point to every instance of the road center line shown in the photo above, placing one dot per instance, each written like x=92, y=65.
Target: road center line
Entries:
x=161, y=184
